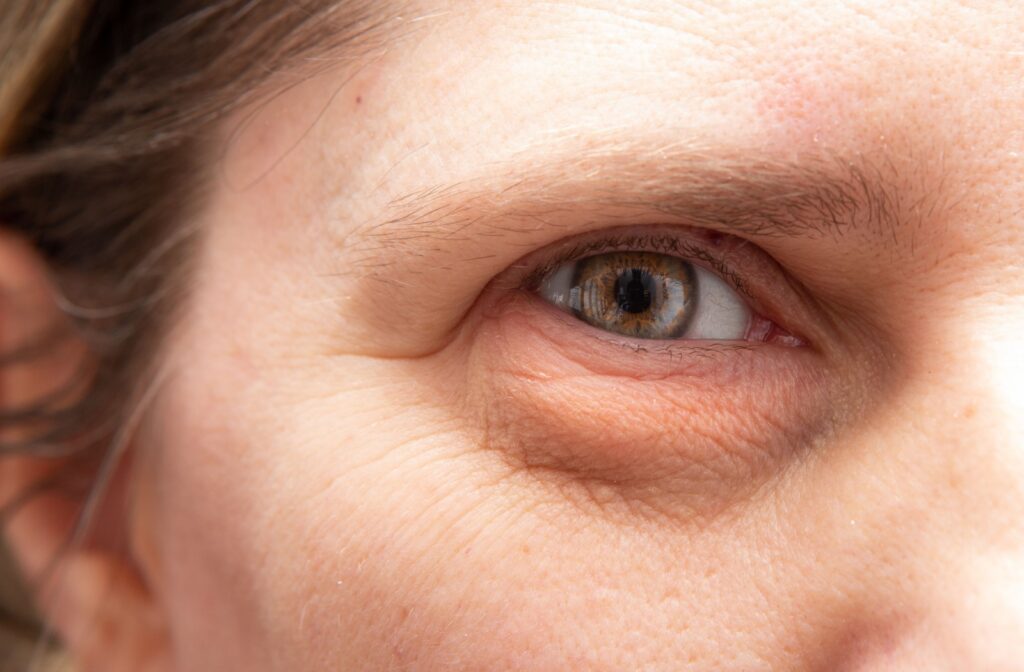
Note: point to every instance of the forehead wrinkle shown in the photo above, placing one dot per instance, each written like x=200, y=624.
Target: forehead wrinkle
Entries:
x=729, y=190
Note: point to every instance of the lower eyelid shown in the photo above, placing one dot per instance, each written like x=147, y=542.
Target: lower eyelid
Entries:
x=707, y=420
x=640, y=413
x=531, y=318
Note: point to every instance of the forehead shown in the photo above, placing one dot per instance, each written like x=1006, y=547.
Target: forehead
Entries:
x=471, y=89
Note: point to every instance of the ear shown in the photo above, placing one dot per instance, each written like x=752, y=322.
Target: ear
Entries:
x=85, y=581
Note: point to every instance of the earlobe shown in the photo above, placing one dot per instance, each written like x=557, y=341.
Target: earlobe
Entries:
x=85, y=584
x=87, y=588
x=106, y=616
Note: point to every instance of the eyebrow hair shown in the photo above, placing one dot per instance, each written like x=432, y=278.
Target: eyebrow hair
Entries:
x=725, y=190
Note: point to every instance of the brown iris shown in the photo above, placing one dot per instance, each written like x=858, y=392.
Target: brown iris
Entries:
x=639, y=294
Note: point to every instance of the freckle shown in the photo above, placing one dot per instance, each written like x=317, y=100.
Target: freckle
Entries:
x=526, y=549
x=970, y=410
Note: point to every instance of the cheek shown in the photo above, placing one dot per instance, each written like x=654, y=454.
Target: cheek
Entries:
x=362, y=514
x=370, y=529
x=217, y=487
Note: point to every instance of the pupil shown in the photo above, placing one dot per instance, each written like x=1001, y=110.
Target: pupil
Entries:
x=633, y=291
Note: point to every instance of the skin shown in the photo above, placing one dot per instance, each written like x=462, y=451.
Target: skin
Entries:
x=373, y=449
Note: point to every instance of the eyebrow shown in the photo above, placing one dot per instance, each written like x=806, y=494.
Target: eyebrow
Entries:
x=812, y=196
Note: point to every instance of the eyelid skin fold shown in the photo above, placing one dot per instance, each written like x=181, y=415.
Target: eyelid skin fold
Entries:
x=701, y=419
x=706, y=422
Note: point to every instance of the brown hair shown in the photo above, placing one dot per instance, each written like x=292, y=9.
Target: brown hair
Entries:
x=108, y=113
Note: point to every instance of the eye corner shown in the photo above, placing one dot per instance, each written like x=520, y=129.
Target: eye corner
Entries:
x=765, y=331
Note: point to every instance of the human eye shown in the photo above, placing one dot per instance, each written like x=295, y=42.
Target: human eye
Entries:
x=659, y=286
x=648, y=295
x=620, y=351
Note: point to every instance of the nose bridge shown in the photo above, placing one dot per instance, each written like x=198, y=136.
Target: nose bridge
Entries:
x=999, y=361
x=964, y=345
x=946, y=520
x=967, y=411
x=984, y=388
x=973, y=452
